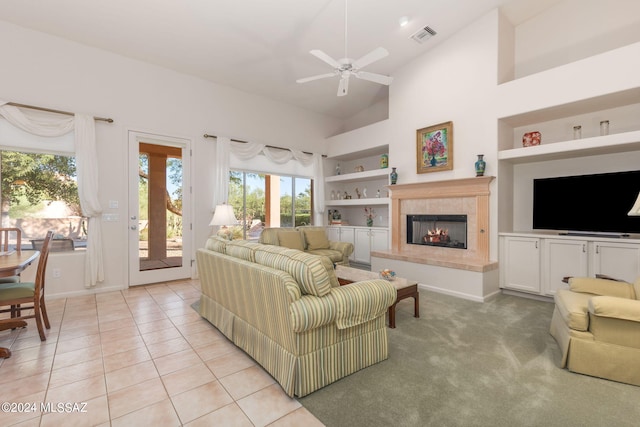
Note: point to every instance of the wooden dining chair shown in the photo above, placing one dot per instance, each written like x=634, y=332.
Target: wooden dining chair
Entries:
x=16, y=295
x=5, y=237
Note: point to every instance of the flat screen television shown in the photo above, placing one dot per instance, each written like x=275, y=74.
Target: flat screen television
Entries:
x=585, y=204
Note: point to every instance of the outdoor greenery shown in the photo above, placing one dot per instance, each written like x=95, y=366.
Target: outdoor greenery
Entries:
x=31, y=179
x=174, y=199
x=254, y=194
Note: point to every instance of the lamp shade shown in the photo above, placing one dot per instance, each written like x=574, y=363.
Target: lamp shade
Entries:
x=223, y=215
x=635, y=210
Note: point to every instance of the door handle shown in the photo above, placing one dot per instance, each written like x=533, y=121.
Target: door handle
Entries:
x=133, y=227
x=133, y=217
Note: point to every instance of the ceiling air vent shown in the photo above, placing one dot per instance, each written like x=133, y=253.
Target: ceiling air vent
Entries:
x=423, y=34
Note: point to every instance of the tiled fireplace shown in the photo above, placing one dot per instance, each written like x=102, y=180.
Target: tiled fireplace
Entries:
x=440, y=236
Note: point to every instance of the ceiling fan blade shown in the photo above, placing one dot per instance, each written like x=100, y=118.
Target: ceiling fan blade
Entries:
x=319, y=76
x=343, y=87
x=370, y=57
x=324, y=57
x=373, y=77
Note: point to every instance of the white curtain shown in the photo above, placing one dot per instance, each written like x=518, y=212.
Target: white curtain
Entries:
x=221, y=186
x=248, y=150
x=87, y=168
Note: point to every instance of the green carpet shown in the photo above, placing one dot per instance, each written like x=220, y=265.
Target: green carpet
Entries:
x=464, y=363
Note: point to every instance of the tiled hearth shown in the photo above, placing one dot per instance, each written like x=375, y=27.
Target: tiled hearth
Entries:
x=445, y=265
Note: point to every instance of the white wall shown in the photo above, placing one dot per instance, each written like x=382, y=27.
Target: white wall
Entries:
x=456, y=81
x=573, y=30
x=42, y=70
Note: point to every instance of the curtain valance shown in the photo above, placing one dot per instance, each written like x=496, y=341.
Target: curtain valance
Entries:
x=248, y=150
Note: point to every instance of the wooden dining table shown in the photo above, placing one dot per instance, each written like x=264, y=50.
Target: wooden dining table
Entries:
x=13, y=263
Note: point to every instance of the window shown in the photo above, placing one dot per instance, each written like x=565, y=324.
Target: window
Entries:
x=39, y=192
x=261, y=200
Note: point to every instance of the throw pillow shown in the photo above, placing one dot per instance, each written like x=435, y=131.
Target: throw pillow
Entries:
x=316, y=239
x=291, y=240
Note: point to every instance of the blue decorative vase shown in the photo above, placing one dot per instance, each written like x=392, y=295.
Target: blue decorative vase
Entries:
x=394, y=176
x=480, y=165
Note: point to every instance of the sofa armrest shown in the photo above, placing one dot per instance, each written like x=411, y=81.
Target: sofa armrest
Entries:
x=361, y=302
x=347, y=306
x=605, y=287
x=345, y=248
x=616, y=308
x=310, y=312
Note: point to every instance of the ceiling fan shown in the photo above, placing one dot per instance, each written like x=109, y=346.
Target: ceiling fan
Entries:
x=347, y=67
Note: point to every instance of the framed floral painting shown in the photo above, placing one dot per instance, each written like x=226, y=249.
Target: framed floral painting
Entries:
x=435, y=148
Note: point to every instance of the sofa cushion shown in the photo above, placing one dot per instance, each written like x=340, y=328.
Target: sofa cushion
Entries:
x=316, y=239
x=216, y=244
x=636, y=286
x=291, y=239
x=308, y=270
x=334, y=256
x=573, y=307
x=612, y=288
x=242, y=249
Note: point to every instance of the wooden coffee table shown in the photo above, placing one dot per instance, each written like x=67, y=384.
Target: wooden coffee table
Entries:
x=406, y=288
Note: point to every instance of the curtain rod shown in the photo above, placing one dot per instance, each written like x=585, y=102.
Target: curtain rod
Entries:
x=49, y=110
x=246, y=142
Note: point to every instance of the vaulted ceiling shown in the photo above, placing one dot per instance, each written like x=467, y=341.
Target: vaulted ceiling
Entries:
x=260, y=46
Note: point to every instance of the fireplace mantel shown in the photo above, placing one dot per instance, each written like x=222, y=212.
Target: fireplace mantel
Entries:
x=468, y=196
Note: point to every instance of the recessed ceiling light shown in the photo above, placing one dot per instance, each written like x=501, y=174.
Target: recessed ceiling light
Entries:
x=403, y=21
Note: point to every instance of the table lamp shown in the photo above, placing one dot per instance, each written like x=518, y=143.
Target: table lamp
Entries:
x=224, y=216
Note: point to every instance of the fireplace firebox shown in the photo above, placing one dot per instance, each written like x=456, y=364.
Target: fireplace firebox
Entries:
x=448, y=231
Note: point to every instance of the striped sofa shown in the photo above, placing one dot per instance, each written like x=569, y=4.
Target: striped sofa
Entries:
x=286, y=309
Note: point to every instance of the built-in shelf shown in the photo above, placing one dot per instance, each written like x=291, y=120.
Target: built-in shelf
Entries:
x=358, y=202
x=616, y=143
x=359, y=176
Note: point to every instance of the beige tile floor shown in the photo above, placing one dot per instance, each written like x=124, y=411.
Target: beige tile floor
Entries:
x=138, y=357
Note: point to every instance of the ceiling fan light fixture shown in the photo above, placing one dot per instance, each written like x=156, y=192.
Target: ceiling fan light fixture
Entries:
x=347, y=67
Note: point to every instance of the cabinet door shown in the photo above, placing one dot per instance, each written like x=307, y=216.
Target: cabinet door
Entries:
x=522, y=264
x=379, y=240
x=347, y=235
x=562, y=258
x=333, y=234
x=362, y=246
x=619, y=260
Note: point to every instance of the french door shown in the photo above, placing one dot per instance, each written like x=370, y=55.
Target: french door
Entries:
x=159, y=221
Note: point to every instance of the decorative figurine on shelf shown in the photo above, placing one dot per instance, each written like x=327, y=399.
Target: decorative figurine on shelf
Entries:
x=358, y=193
x=480, y=165
x=338, y=169
x=393, y=176
x=333, y=195
x=378, y=193
x=346, y=196
x=364, y=192
x=369, y=214
x=384, y=161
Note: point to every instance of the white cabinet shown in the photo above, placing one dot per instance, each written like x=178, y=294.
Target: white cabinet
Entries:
x=562, y=258
x=537, y=264
x=615, y=259
x=520, y=258
x=367, y=240
x=342, y=234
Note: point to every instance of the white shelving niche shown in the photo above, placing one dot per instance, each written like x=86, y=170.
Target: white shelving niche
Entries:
x=371, y=183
